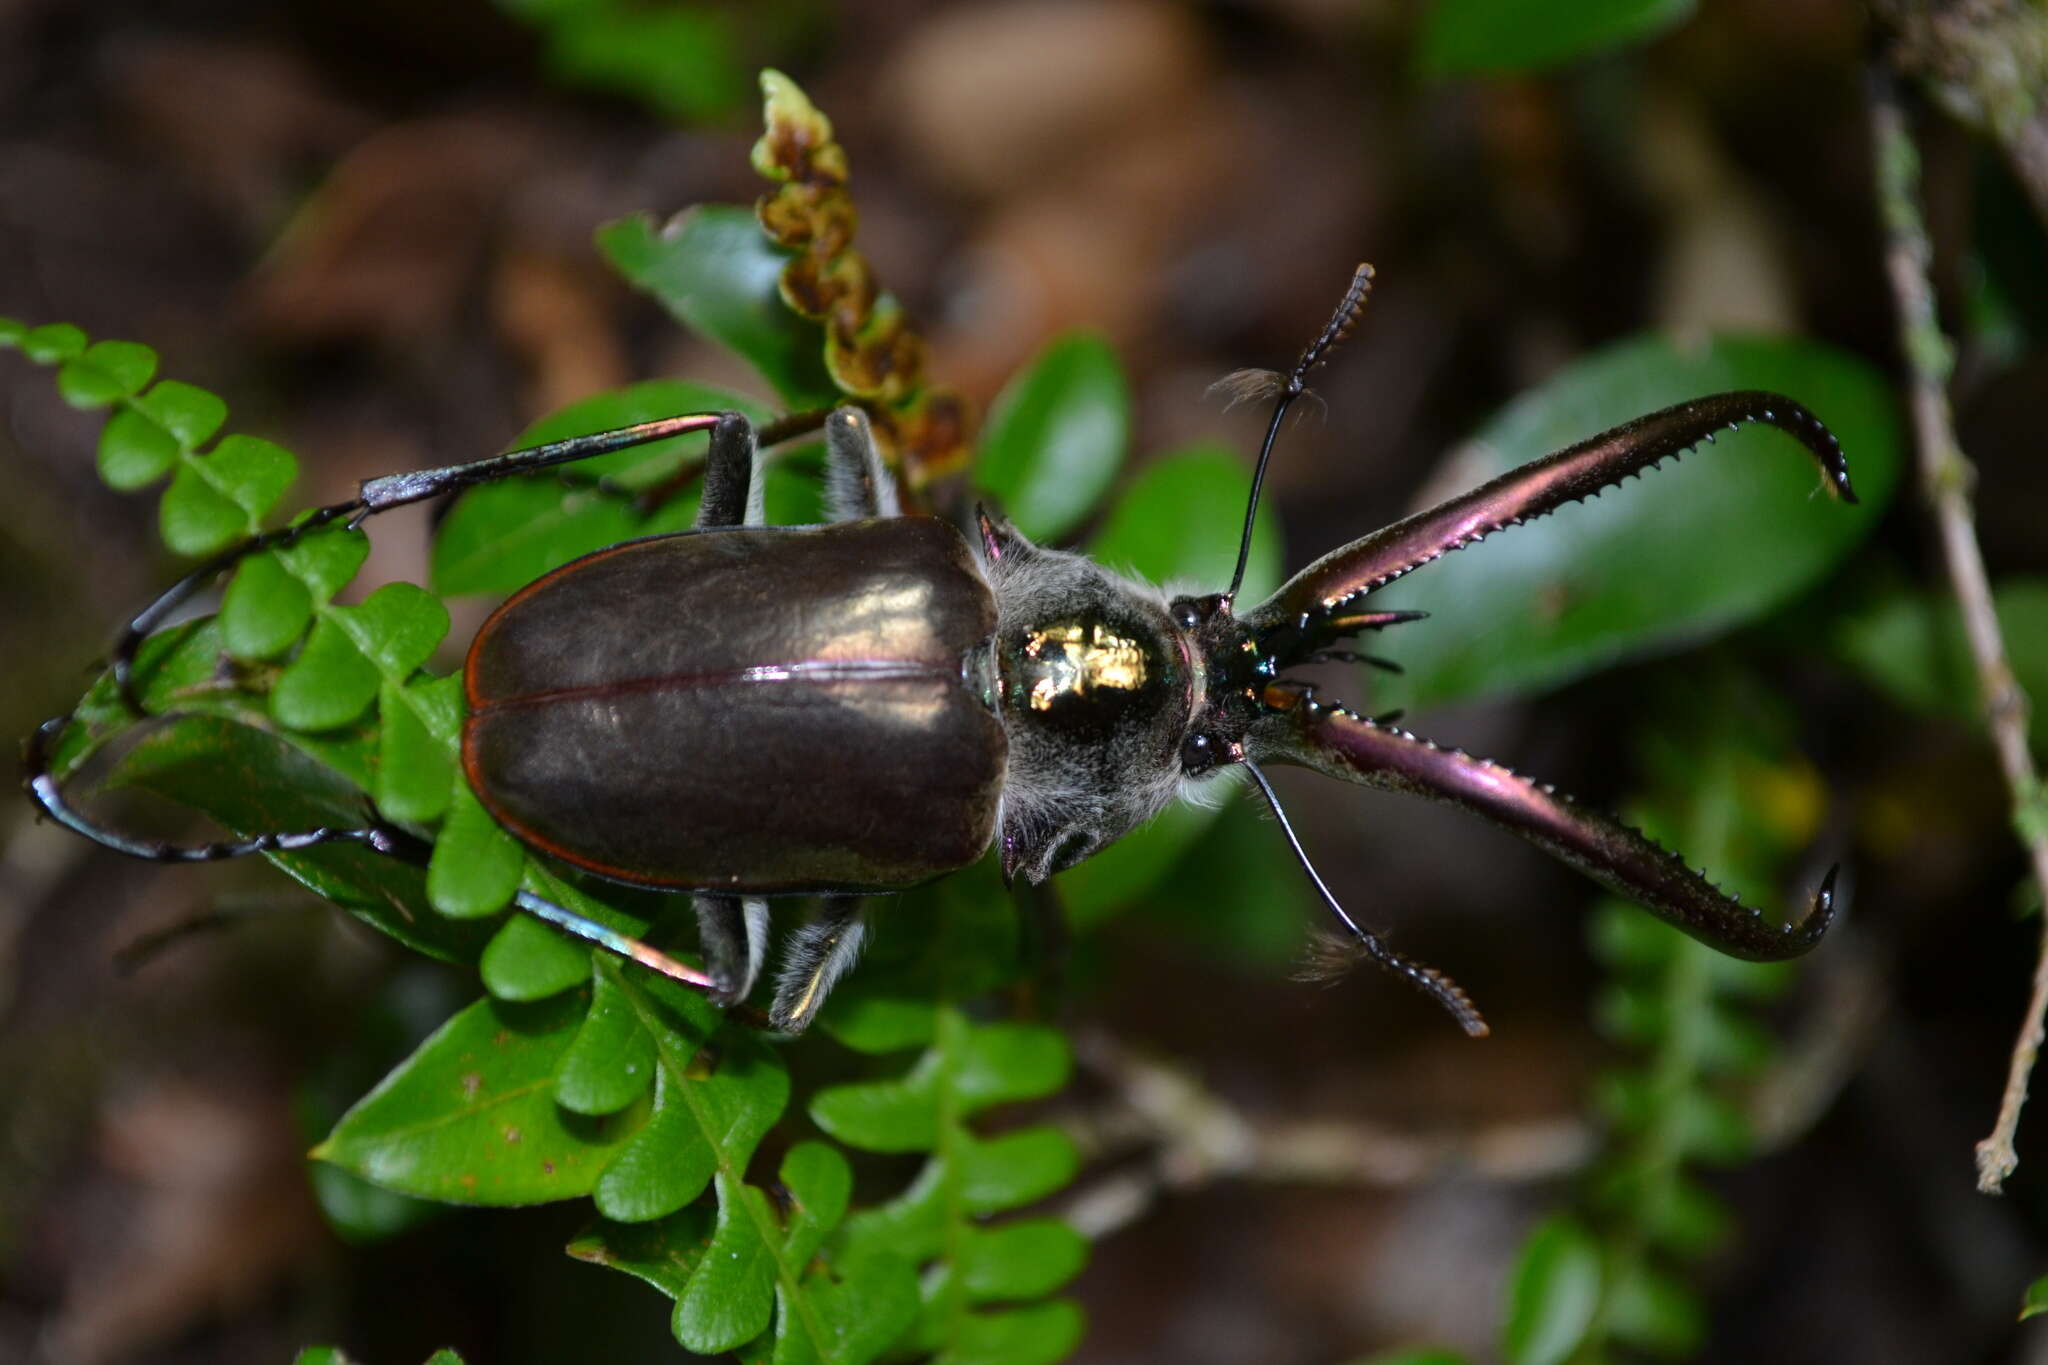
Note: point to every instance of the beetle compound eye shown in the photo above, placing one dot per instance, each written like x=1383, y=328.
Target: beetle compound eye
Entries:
x=1198, y=753
x=1186, y=615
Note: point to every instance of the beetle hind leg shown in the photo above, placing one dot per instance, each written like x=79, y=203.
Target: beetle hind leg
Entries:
x=814, y=959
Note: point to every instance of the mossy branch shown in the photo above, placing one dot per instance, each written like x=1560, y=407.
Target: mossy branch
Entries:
x=1947, y=479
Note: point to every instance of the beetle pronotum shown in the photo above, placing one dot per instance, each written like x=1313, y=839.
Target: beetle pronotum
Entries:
x=741, y=711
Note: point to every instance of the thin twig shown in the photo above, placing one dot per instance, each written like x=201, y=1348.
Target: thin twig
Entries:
x=1946, y=480
x=1190, y=1137
x=1162, y=1131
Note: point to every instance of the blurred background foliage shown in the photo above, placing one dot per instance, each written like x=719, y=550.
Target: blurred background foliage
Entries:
x=370, y=227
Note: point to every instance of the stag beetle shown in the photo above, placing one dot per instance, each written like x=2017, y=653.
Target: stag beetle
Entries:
x=742, y=711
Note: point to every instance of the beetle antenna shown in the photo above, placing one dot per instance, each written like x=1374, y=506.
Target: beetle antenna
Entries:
x=1428, y=980
x=1254, y=383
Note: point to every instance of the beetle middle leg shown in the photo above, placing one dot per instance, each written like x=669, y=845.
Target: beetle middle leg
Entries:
x=733, y=933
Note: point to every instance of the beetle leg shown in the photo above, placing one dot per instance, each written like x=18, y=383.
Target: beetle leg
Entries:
x=857, y=484
x=48, y=795
x=815, y=957
x=379, y=495
x=1537, y=488
x=612, y=941
x=732, y=476
x=734, y=935
x=1335, y=742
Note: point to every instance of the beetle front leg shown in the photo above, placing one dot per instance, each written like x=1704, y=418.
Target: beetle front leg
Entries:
x=1333, y=741
x=816, y=956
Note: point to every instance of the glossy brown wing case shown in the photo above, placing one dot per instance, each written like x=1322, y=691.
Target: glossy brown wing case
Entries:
x=758, y=709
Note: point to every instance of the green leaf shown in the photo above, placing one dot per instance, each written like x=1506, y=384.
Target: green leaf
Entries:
x=1481, y=37
x=396, y=628
x=667, y=1166
x=53, y=342
x=528, y=960
x=326, y=560
x=252, y=472
x=680, y=62
x=991, y=1064
x=867, y=1022
x=713, y=269
x=611, y=1063
x=189, y=413
x=820, y=1186
x=1710, y=1129
x=265, y=609
x=12, y=330
x=967, y=1068
x=322, y=1355
x=2036, y=1301
x=856, y=1307
x=1553, y=1294
x=470, y=1118
x=1001, y=1063
x=1656, y=1313
x=1038, y=1335
x=501, y=536
x=134, y=451
x=107, y=372
x=1731, y=1042
x=416, y=768
x=1022, y=1260
x=1180, y=520
x=729, y=1295
x=329, y=684
x=853, y=1307
x=1912, y=645
x=662, y=1253
x=194, y=518
x=1057, y=435
x=476, y=865
x=1729, y=533
x=1686, y=1220
x=885, y=1116
x=444, y=1356
x=732, y=1291
x=360, y=1213
x=1015, y=1169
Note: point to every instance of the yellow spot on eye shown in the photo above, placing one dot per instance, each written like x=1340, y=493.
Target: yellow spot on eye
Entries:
x=1075, y=660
